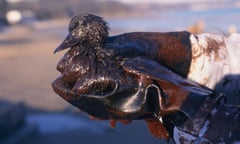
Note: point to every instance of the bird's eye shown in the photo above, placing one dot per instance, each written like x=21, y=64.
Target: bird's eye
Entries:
x=75, y=25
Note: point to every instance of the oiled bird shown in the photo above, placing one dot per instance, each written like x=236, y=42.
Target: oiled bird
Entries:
x=116, y=72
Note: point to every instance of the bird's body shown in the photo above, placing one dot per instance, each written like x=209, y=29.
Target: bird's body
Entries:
x=90, y=32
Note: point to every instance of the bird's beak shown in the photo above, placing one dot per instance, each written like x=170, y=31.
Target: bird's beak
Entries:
x=68, y=42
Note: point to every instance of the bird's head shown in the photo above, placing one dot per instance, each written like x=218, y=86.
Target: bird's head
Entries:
x=85, y=29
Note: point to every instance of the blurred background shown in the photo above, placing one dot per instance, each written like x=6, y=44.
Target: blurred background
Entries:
x=30, y=112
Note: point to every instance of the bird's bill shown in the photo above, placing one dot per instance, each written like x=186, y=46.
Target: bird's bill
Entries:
x=68, y=42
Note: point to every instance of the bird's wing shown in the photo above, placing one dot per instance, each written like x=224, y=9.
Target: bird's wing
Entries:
x=154, y=70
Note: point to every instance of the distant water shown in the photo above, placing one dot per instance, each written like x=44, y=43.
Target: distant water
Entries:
x=216, y=20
